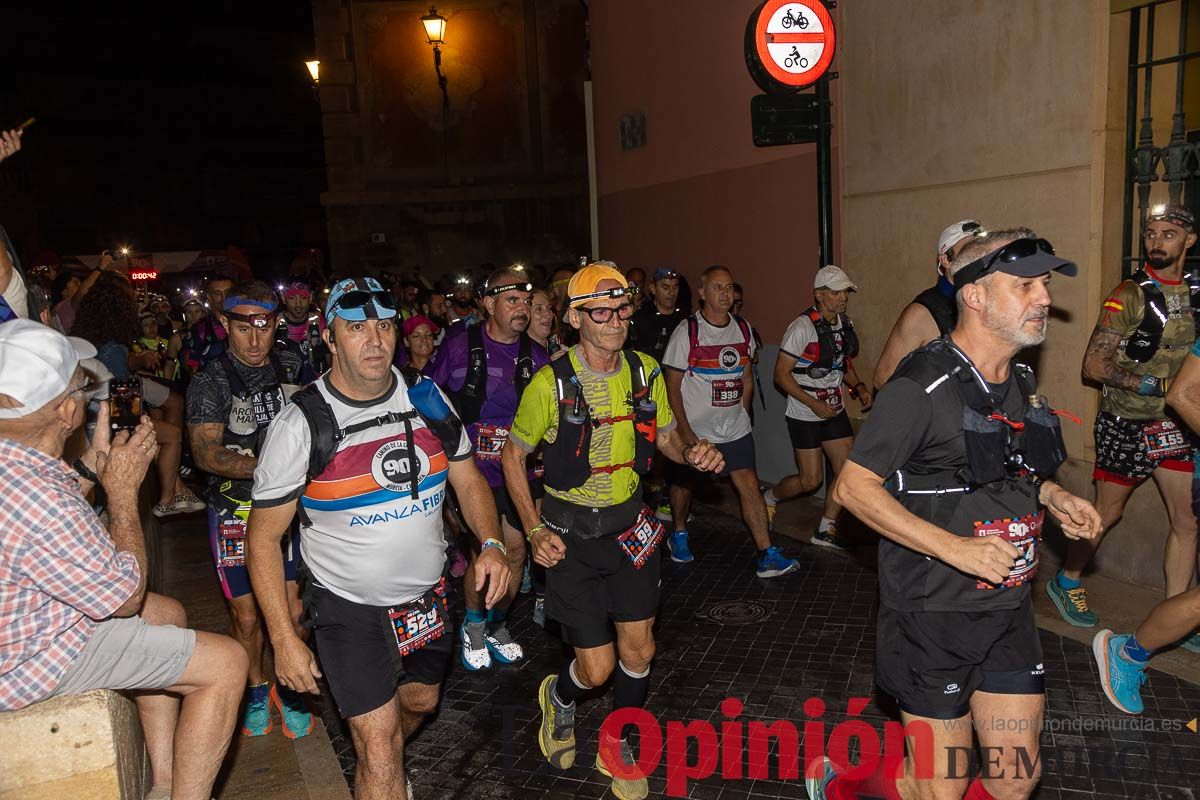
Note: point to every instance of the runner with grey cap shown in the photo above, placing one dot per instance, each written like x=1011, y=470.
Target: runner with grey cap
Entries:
x=815, y=363
x=933, y=312
x=954, y=470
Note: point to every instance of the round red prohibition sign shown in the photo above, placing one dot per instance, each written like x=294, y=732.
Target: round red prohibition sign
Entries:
x=795, y=40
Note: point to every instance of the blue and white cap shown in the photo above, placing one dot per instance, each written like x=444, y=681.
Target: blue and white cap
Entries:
x=358, y=299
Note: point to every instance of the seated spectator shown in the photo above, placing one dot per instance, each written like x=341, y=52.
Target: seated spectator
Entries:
x=109, y=321
x=75, y=615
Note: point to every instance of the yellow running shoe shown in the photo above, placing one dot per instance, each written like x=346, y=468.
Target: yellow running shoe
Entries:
x=556, y=736
x=623, y=788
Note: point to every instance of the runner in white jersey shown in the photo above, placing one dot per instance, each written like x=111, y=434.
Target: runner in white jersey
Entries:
x=710, y=386
x=364, y=455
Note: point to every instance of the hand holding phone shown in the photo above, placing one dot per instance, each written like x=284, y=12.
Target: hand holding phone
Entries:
x=124, y=404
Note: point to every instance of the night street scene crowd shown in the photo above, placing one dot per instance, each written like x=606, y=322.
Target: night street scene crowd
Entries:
x=410, y=480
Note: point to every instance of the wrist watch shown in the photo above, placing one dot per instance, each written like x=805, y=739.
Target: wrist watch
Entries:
x=83, y=471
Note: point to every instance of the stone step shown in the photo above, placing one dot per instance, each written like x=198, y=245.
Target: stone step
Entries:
x=83, y=747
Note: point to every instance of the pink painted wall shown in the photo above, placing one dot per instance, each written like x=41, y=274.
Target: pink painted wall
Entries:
x=700, y=192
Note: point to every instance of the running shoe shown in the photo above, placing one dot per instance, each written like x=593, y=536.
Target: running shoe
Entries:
x=502, y=647
x=817, y=777
x=526, y=581
x=294, y=716
x=829, y=538
x=663, y=512
x=1120, y=678
x=770, y=512
x=774, y=563
x=161, y=510
x=1072, y=604
x=556, y=735
x=475, y=654
x=678, y=545
x=539, y=611
x=624, y=788
x=256, y=720
x=458, y=564
x=1192, y=643
x=188, y=503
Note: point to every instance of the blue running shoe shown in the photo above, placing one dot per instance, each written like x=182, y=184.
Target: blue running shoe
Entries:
x=295, y=718
x=1120, y=678
x=774, y=563
x=1072, y=604
x=817, y=777
x=256, y=720
x=678, y=545
x=1191, y=643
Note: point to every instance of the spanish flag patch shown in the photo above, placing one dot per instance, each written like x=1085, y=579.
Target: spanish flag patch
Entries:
x=1112, y=304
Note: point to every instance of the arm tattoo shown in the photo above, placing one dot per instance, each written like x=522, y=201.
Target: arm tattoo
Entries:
x=1098, y=364
x=214, y=457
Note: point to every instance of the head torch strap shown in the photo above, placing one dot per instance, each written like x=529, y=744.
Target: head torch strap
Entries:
x=508, y=287
x=619, y=291
x=255, y=320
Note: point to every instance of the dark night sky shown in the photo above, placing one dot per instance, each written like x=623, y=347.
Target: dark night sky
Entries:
x=172, y=126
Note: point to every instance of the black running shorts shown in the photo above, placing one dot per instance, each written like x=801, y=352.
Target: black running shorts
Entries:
x=809, y=435
x=933, y=661
x=359, y=655
x=597, y=582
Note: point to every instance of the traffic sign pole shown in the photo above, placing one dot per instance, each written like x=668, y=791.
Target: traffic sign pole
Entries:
x=824, y=173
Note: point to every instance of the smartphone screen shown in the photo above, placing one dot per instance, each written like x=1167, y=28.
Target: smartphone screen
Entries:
x=125, y=403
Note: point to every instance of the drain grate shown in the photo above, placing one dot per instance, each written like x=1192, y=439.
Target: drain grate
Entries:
x=736, y=612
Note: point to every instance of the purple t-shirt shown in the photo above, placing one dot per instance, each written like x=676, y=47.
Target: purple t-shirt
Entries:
x=448, y=368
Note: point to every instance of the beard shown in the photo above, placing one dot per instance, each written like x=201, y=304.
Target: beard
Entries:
x=1158, y=259
x=1013, y=329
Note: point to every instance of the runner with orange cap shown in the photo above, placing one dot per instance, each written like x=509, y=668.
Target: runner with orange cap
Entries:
x=599, y=414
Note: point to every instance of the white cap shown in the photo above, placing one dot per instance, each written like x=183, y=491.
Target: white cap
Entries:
x=956, y=233
x=831, y=277
x=36, y=364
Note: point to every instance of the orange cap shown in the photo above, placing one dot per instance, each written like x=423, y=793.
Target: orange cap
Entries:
x=584, y=282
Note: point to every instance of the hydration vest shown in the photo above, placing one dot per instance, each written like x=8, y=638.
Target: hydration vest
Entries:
x=827, y=349
x=250, y=413
x=312, y=334
x=206, y=345
x=997, y=448
x=326, y=434
x=1143, y=343
x=699, y=353
x=568, y=457
x=943, y=309
x=469, y=399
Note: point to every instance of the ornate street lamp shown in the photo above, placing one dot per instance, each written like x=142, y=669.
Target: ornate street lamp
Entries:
x=314, y=69
x=435, y=27
x=435, y=32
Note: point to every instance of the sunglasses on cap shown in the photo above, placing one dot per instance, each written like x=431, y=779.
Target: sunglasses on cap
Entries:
x=604, y=314
x=363, y=299
x=508, y=287
x=1009, y=254
x=259, y=321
